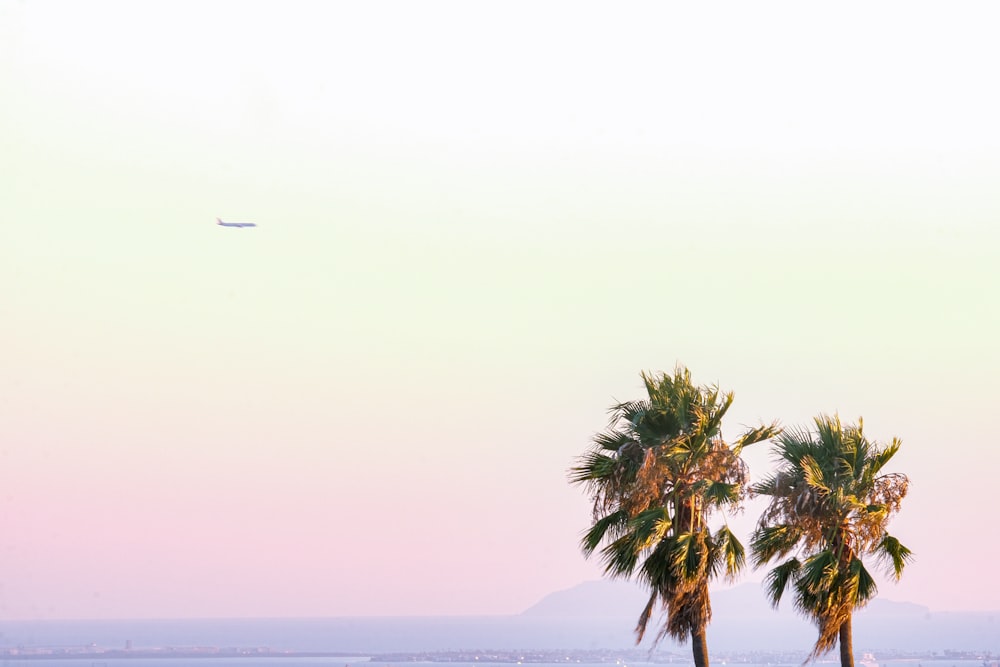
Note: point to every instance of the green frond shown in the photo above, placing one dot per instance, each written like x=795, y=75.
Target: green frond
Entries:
x=635, y=539
x=620, y=556
x=650, y=526
x=777, y=580
x=721, y=494
x=626, y=412
x=882, y=458
x=613, y=524
x=755, y=435
x=732, y=551
x=690, y=556
x=710, y=421
x=812, y=474
x=893, y=555
x=793, y=444
x=849, y=466
x=767, y=486
x=769, y=542
x=594, y=465
x=819, y=572
x=658, y=570
x=862, y=586
x=830, y=432
x=612, y=440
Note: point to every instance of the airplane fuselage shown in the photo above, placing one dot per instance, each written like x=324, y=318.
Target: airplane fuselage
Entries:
x=235, y=224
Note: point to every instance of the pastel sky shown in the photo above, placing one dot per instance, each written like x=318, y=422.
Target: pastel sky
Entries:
x=477, y=223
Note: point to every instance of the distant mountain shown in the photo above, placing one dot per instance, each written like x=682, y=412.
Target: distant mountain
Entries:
x=592, y=598
x=625, y=598
x=604, y=598
x=742, y=618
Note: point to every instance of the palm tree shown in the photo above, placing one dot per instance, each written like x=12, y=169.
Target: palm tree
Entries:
x=655, y=476
x=830, y=504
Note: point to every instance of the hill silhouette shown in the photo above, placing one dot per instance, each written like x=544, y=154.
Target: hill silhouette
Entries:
x=742, y=618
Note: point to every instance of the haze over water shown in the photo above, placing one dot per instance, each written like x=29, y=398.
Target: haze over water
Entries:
x=476, y=225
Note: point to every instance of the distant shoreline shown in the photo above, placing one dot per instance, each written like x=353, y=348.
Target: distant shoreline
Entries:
x=524, y=656
x=122, y=654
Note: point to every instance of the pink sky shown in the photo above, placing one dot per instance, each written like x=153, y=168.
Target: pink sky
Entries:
x=475, y=229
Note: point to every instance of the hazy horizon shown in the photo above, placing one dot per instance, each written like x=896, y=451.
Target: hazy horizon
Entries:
x=628, y=611
x=596, y=615
x=476, y=225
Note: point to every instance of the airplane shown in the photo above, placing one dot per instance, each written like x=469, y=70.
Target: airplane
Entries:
x=235, y=224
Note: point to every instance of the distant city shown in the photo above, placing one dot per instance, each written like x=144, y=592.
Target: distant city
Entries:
x=518, y=657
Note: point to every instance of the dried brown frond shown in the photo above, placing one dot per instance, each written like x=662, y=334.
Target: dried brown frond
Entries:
x=647, y=612
x=647, y=489
x=829, y=625
x=689, y=607
x=890, y=490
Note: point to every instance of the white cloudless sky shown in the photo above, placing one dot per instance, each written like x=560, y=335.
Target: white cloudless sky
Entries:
x=477, y=222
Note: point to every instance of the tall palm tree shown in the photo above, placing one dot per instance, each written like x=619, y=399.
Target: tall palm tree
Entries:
x=830, y=505
x=655, y=476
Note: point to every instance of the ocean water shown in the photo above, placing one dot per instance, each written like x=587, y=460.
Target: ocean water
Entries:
x=347, y=635
x=179, y=662
x=364, y=635
x=348, y=661
x=354, y=641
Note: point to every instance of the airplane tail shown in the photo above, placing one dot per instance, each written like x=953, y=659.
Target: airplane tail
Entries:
x=218, y=221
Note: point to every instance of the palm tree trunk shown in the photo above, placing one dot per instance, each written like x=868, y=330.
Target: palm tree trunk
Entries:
x=699, y=647
x=846, y=644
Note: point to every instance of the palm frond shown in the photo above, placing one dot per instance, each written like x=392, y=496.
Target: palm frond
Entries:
x=767, y=486
x=626, y=412
x=658, y=570
x=690, y=556
x=643, y=622
x=830, y=432
x=650, y=526
x=819, y=572
x=593, y=466
x=721, y=493
x=769, y=542
x=813, y=474
x=732, y=552
x=620, y=557
x=755, y=435
x=881, y=459
x=792, y=444
x=893, y=555
x=777, y=580
x=612, y=440
x=613, y=523
x=862, y=587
